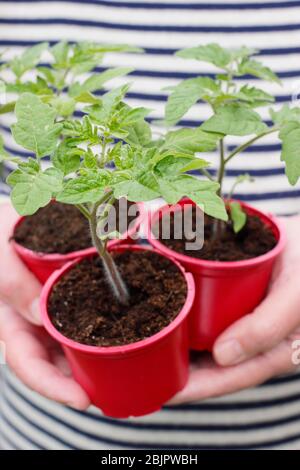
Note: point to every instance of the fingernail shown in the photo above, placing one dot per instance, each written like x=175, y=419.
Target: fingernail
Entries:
x=35, y=313
x=229, y=352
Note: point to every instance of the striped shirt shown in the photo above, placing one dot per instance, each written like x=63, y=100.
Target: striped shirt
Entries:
x=264, y=417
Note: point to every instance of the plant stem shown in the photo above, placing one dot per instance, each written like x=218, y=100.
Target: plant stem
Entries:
x=217, y=224
x=221, y=168
x=84, y=211
x=207, y=174
x=110, y=267
x=247, y=144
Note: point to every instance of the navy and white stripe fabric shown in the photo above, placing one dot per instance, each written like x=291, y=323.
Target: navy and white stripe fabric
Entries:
x=267, y=416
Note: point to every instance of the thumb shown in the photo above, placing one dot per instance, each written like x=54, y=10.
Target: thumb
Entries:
x=21, y=290
x=18, y=286
x=271, y=322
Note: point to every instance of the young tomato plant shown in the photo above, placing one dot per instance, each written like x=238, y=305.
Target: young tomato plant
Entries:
x=62, y=83
x=233, y=107
x=106, y=155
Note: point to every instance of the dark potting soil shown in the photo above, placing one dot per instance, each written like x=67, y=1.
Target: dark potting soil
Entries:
x=82, y=307
x=57, y=228
x=253, y=240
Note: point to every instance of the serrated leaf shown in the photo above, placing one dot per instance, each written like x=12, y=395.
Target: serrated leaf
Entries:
x=242, y=52
x=134, y=191
x=235, y=119
x=175, y=188
x=130, y=116
x=66, y=159
x=290, y=153
x=186, y=94
x=28, y=60
x=87, y=188
x=257, y=69
x=172, y=165
x=60, y=53
x=212, y=53
x=238, y=216
x=33, y=191
x=96, y=81
x=139, y=134
x=189, y=141
x=109, y=102
x=39, y=87
x=35, y=129
x=285, y=114
x=255, y=96
x=87, y=97
x=211, y=203
x=64, y=106
x=195, y=164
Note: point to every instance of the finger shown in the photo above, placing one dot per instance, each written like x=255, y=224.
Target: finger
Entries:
x=29, y=359
x=18, y=286
x=272, y=321
x=209, y=380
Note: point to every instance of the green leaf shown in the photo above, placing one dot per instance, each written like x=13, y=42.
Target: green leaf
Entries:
x=66, y=159
x=60, y=53
x=130, y=116
x=135, y=191
x=35, y=129
x=211, y=203
x=195, y=164
x=32, y=191
x=122, y=155
x=175, y=188
x=285, y=114
x=212, y=53
x=8, y=107
x=104, y=48
x=290, y=153
x=87, y=97
x=255, y=96
x=186, y=94
x=28, y=60
x=4, y=155
x=242, y=52
x=139, y=134
x=171, y=165
x=102, y=112
x=235, y=119
x=238, y=216
x=39, y=87
x=257, y=69
x=189, y=141
x=96, y=81
x=87, y=188
x=64, y=106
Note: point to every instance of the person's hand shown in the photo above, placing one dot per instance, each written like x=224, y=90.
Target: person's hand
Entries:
x=33, y=356
x=258, y=346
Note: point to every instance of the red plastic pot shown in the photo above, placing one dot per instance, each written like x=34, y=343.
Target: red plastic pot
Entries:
x=43, y=265
x=135, y=379
x=225, y=291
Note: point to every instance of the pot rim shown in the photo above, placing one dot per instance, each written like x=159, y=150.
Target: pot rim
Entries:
x=269, y=219
x=58, y=257
x=114, y=351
